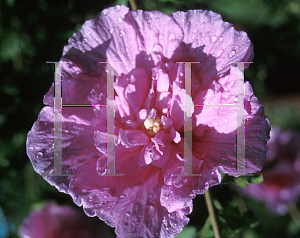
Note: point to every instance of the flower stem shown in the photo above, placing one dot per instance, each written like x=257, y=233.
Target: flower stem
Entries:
x=294, y=212
x=132, y=5
x=211, y=213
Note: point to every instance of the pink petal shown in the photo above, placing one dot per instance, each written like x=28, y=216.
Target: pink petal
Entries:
x=163, y=148
x=177, y=110
x=117, y=35
x=129, y=204
x=77, y=143
x=162, y=82
x=218, y=124
x=137, y=90
x=163, y=101
x=129, y=138
x=132, y=205
x=213, y=42
x=175, y=135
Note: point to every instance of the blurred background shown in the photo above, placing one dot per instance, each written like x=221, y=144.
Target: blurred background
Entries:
x=33, y=32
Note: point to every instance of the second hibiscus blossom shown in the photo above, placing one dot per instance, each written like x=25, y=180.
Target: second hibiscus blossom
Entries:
x=149, y=200
x=281, y=186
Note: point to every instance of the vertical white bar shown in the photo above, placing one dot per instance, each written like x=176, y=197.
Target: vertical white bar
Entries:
x=188, y=121
x=240, y=134
x=110, y=113
x=57, y=122
x=188, y=134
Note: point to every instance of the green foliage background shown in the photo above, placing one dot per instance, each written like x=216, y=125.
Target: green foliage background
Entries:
x=35, y=31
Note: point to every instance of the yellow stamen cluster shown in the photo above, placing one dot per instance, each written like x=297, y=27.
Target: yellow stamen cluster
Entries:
x=152, y=125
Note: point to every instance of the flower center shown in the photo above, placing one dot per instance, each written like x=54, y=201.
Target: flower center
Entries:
x=152, y=125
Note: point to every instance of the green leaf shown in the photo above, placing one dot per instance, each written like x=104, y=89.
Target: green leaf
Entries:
x=232, y=223
x=257, y=180
x=206, y=230
x=217, y=204
x=122, y=2
x=242, y=181
x=188, y=231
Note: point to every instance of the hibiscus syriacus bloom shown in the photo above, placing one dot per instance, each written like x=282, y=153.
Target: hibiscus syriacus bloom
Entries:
x=281, y=183
x=52, y=221
x=150, y=200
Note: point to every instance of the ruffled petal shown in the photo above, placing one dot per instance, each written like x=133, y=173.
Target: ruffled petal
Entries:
x=212, y=42
x=135, y=201
x=216, y=121
x=133, y=38
x=179, y=190
x=137, y=90
x=129, y=204
x=177, y=109
x=130, y=138
x=77, y=144
x=146, y=198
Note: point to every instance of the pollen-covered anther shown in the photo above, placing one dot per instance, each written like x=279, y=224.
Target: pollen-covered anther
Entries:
x=156, y=126
x=152, y=125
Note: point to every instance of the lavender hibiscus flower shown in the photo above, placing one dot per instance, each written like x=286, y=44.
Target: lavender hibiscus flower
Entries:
x=281, y=184
x=52, y=221
x=149, y=200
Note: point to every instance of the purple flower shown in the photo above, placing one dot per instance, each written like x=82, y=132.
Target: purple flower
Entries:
x=149, y=200
x=52, y=221
x=281, y=183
